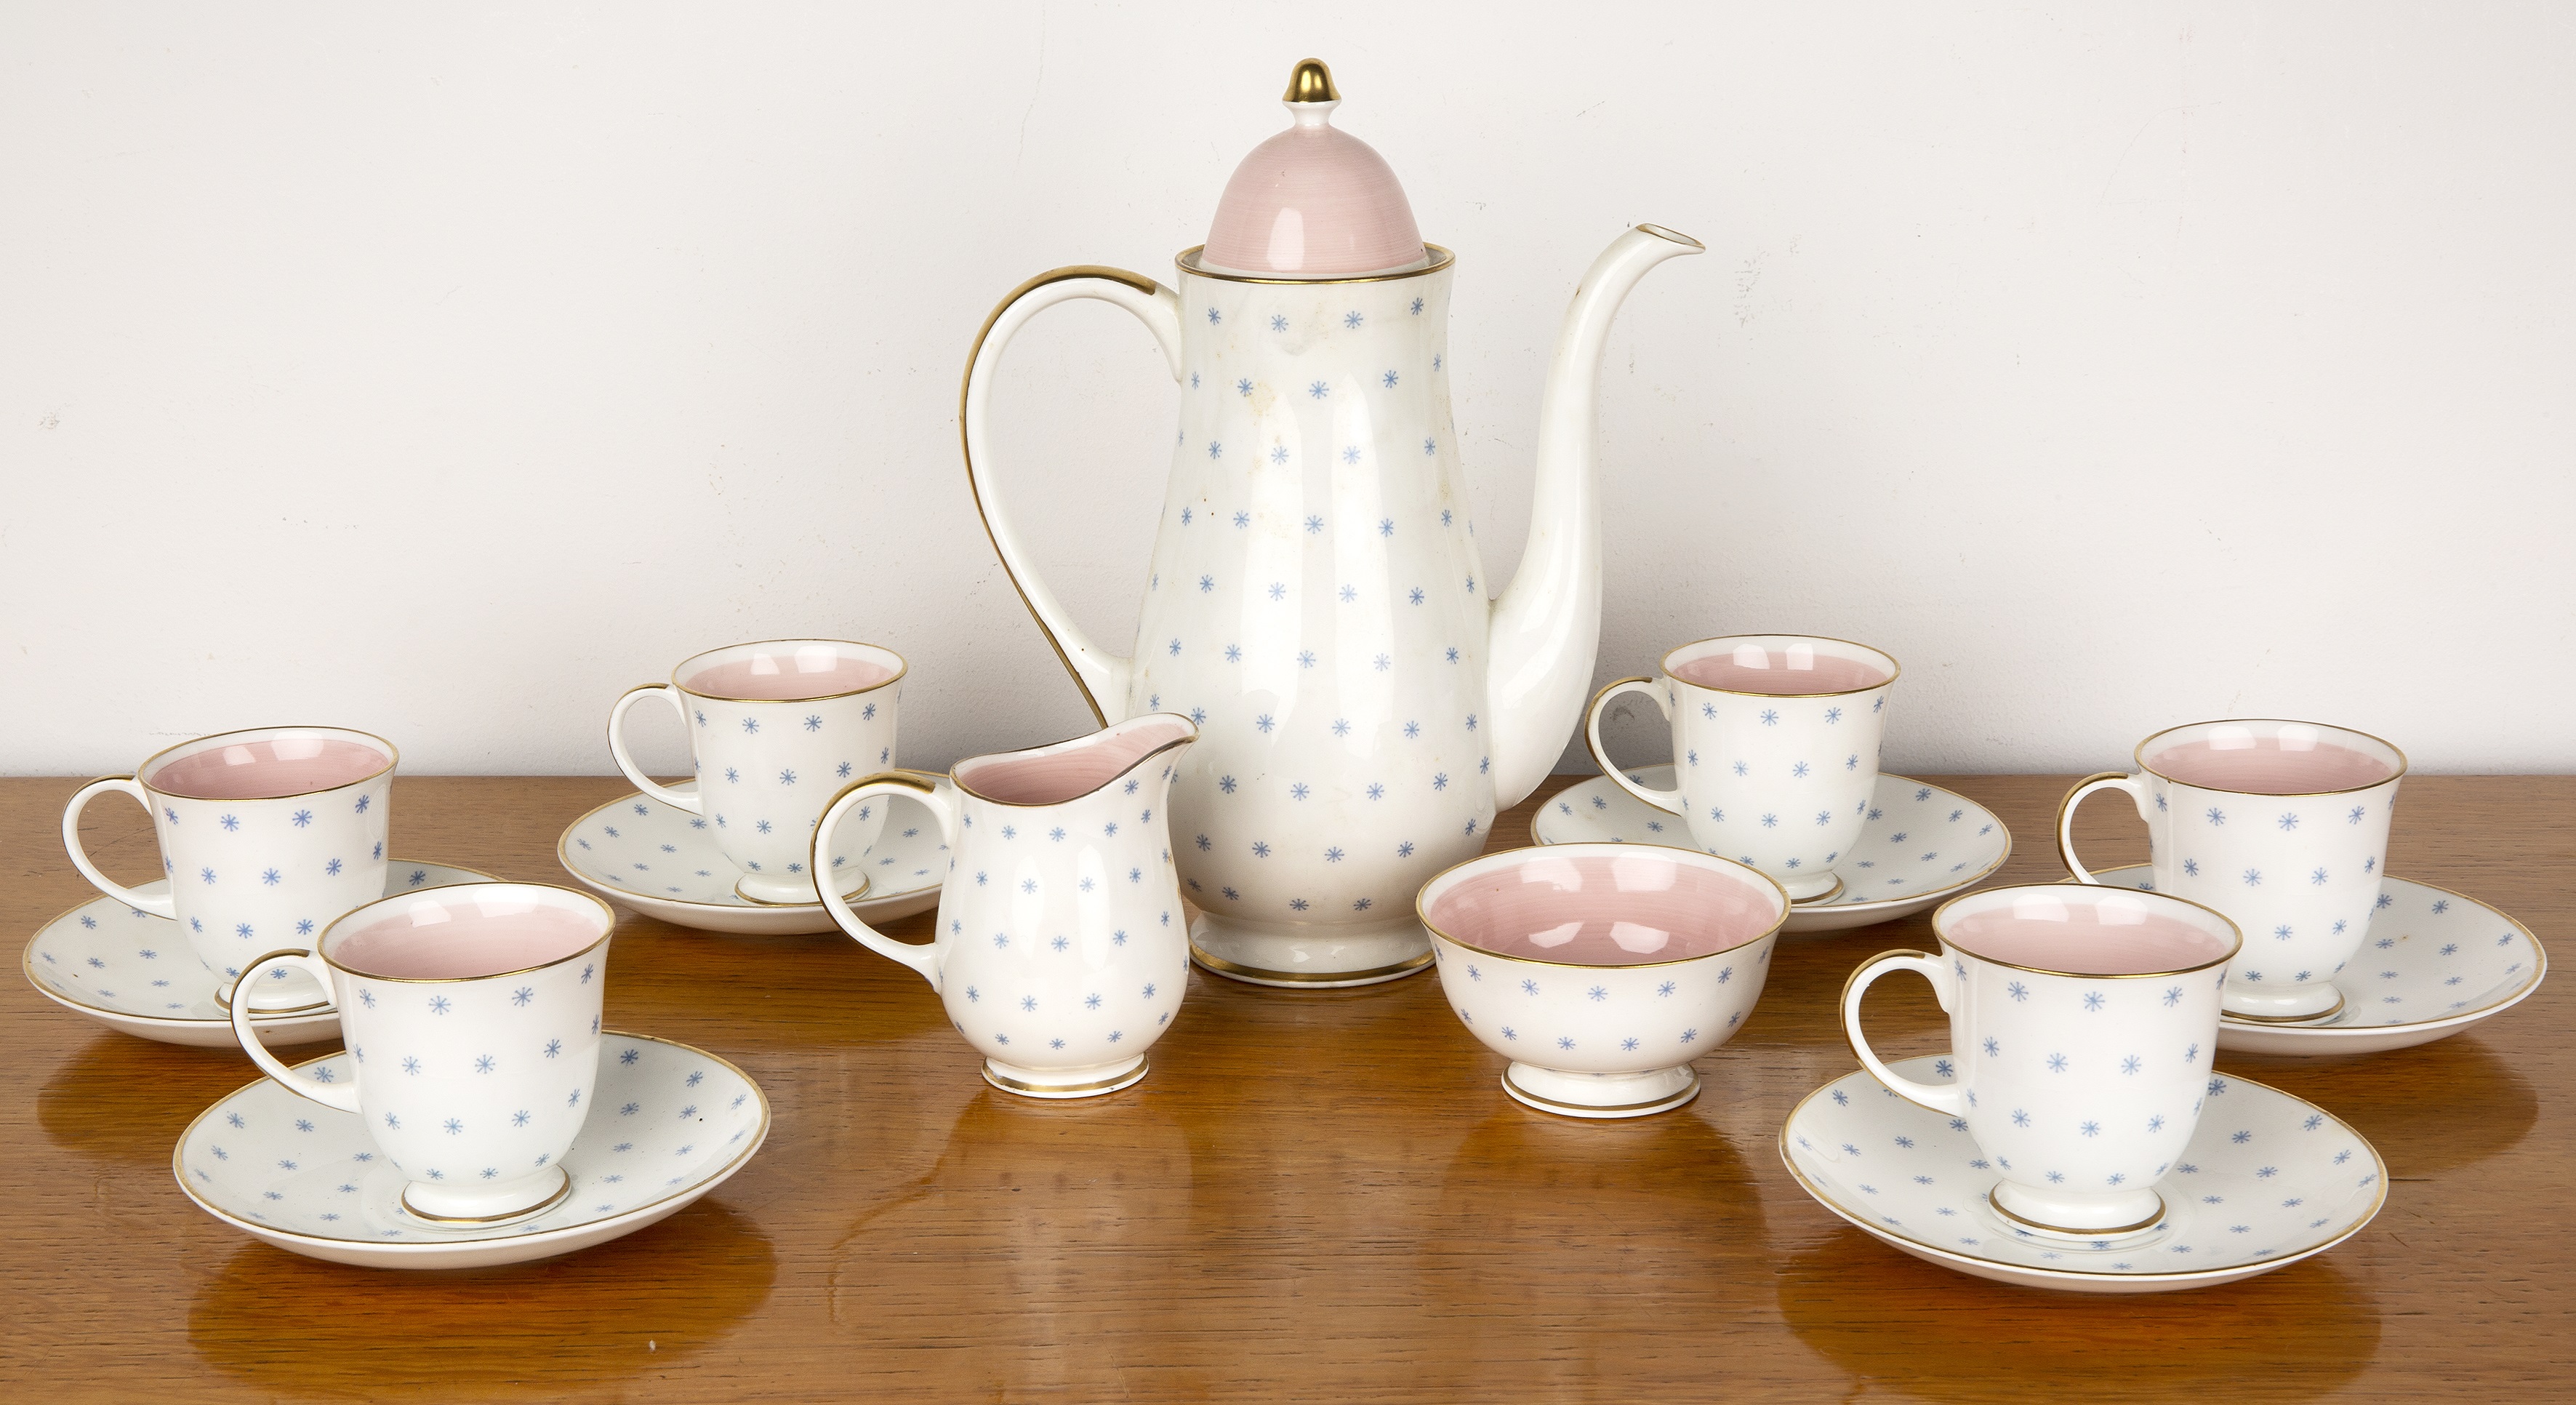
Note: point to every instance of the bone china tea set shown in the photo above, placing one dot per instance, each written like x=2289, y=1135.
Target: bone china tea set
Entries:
x=1296, y=771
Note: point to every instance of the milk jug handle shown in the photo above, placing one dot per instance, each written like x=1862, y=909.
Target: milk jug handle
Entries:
x=1101, y=675
x=922, y=957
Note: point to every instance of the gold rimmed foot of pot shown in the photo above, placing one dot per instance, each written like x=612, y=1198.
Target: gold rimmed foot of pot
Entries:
x=1057, y=1086
x=1309, y=958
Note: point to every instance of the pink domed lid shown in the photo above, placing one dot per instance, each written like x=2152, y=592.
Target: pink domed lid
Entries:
x=1313, y=202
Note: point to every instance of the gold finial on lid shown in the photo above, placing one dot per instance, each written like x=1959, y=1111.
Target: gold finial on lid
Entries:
x=1311, y=82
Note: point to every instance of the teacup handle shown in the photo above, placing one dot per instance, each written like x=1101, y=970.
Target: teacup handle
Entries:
x=1944, y=988
x=158, y=906
x=318, y=1087
x=1668, y=801
x=924, y=957
x=2102, y=780
x=617, y=745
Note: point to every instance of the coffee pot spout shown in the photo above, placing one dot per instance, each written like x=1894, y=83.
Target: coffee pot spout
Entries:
x=1546, y=629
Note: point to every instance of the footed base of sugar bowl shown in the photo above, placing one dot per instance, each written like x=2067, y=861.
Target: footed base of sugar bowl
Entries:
x=1309, y=956
x=1063, y=1083
x=1601, y=1095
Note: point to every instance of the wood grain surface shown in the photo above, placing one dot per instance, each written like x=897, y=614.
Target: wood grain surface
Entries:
x=1314, y=1196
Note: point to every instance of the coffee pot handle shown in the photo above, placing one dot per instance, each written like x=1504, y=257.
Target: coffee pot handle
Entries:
x=1101, y=675
x=923, y=957
x=318, y=1086
x=2104, y=780
x=1668, y=801
x=680, y=799
x=158, y=904
x=1944, y=988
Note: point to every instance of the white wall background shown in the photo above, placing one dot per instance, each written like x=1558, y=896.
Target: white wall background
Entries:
x=445, y=372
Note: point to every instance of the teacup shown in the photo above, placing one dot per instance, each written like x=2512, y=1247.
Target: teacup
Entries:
x=775, y=728
x=472, y=1013
x=2082, y=1025
x=1775, y=749
x=1602, y=970
x=2283, y=826
x=1061, y=950
x=266, y=836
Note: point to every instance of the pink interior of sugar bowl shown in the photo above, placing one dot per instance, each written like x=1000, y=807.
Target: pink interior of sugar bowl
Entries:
x=1052, y=775
x=1631, y=907
x=266, y=768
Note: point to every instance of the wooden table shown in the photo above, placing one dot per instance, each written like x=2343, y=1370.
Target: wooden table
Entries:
x=1314, y=1196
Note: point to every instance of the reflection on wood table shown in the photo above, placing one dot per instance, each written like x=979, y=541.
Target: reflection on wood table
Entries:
x=1314, y=1195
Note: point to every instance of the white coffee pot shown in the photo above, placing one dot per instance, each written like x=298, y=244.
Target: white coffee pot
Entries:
x=1316, y=603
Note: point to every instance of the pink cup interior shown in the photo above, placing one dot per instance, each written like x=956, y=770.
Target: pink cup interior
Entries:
x=1623, y=909
x=786, y=672
x=466, y=931
x=2270, y=758
x=1780, y=665
x=267, y=768
x=1051, y=775
x=2088, y=934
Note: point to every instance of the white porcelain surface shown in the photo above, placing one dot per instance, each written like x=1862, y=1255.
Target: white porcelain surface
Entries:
x=1317, y=604
x=2299, y=873
x=668, y=1124
x=248, y=876
x=1059, y=951
x=1600, y=1040
x=473, y=1087
x=2083, y=1088
x=765, y=768
x=2266, y=1180
x=1777, y=783
x=2433, y=963
x=660, y=861
x=1917, y=841
x=129, y=970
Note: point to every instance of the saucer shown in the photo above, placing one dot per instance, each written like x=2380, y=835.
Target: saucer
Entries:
x=133, y=971
x=2435, y=963
x=662, y=861
x=2268, y=1179
x=1920, y=845
x=309, y=1180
